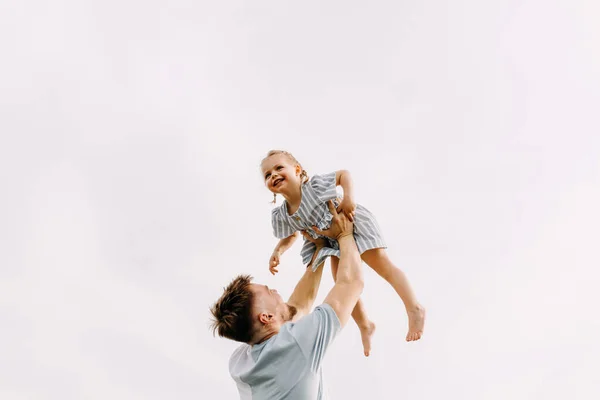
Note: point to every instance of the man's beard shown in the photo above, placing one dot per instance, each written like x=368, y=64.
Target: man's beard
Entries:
x=292, y=311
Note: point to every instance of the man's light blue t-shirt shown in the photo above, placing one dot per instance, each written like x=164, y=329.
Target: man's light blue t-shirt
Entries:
x=288, y=365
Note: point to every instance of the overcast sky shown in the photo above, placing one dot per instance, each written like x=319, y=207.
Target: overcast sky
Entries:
x=131, y=137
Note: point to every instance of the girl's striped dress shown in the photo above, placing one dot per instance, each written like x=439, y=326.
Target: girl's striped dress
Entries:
x=313, y=211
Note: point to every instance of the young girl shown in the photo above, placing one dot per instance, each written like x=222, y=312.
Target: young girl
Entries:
x=305, y=206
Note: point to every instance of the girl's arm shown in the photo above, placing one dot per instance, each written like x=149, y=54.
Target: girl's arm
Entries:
x=347, y=206
x=344, y=179
x=282, y=246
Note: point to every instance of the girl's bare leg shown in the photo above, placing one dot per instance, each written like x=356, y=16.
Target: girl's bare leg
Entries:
x=379, y=261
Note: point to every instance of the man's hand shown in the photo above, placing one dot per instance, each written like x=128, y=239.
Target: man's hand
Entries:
x=341, y=225
x=348, y=207
x=274, y=262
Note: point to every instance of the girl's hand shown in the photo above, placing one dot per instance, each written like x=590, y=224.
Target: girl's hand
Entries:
x=348, y=207
x=274, y=262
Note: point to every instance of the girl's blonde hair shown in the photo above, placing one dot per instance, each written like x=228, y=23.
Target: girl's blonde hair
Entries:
x=303, y=174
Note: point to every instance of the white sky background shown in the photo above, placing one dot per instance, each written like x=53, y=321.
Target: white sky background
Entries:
x=132, y=132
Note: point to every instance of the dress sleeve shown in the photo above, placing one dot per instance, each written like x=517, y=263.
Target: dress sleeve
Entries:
x=324, y=186
x=281, y=227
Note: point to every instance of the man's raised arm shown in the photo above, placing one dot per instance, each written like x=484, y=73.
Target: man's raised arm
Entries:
x=349, y=281
x=306, y=290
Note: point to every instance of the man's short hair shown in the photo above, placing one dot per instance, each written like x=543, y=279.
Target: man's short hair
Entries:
x=232, y=313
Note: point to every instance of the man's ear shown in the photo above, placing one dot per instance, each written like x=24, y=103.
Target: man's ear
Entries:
x=298, y=169
x=265, y=318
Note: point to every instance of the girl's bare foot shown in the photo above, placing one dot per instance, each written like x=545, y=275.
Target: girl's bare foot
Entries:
x=366, y=333
x=416, y=321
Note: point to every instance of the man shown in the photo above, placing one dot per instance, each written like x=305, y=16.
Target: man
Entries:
x=284, y=342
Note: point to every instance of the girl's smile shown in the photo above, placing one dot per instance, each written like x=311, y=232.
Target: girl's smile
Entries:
x=278, y=172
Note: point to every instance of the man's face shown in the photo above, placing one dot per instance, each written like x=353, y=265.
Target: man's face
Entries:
x=269, y=303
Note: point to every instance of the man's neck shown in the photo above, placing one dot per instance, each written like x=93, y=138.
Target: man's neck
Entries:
x=264, y=337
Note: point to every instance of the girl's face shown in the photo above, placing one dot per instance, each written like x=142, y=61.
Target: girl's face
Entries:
x=280, y=173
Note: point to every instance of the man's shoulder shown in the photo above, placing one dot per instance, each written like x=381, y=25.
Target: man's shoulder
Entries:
x=288, y=335
x=239, y=352
x=323, y=309
x=326, y=310
x=242, y=348
x=323, y=314
x=275, y=352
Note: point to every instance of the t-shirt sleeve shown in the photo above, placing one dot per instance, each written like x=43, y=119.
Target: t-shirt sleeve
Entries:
x=315, y=332
x=281, y=228
x=324, y=186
